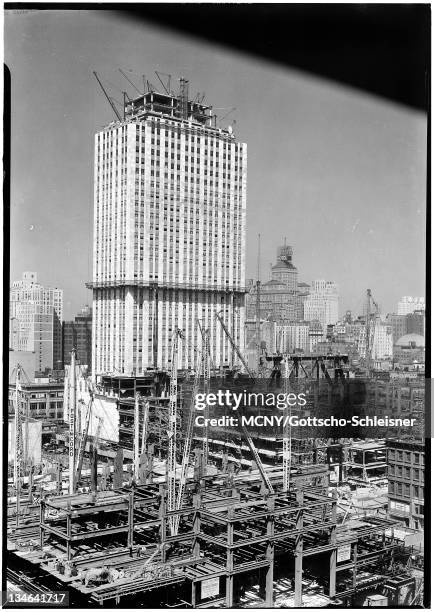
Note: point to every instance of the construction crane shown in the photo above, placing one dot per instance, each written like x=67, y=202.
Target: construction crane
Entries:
x=234, y=346
x=145, y=426
x=110, y=101
x=97, y=433
x=94, y=457
x=19, y=450
x=171, y=457
x=258, y=305
x=136, y=451
x=189, y=434
x=369, y=332
x=83, y=441
x=206, y=359
x=71, y=417
x=244, y=430
x=130, y=81
x=183, y=98
x=286, y=438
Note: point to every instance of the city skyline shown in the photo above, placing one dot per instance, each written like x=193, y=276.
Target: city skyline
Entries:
x=350, y=206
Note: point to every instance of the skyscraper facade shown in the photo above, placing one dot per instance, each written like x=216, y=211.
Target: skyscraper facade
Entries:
x=36, y=314
x=169, y=235
x=398, y=323
x=380, y=340
x=78, y=334
x=281, y=298
x=322, y=303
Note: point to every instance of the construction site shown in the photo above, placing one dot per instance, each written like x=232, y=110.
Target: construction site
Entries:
x=150, y=510
x=131, y=501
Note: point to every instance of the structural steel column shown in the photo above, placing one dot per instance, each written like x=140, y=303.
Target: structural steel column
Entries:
x=230, y=561
x=163, y=518
x=333, y=553
x=68, y=532
x=42, y=520
x=196, y=526
x=193, y=594
x=298, y=586
x=355, y=566
x=269, y=593
x=130, y=521
x=31, y=469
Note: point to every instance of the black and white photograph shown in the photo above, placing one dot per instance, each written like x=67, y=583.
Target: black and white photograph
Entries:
x=216, y=301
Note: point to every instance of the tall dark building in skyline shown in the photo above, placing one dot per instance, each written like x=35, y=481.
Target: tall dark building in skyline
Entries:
x=78, y=334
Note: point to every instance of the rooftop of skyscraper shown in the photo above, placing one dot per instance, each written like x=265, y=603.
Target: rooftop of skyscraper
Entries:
x=178, y=106
x=284, y=258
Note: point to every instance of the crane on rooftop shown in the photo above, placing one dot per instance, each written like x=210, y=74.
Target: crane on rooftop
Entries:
x=110, y=101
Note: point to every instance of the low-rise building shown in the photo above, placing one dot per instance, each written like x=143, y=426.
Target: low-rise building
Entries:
x=316, y=334
x=409, y=304
x=409, y=349
x=367, y=463
x=42, y=401
x=293, y=338
x=406, y=473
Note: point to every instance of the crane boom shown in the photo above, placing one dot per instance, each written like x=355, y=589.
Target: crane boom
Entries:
x=110, y=101
x=71, y=418
x=258, y=305
x=145, y=426
x=234, y=346
x=83, y=441
x=286, y=438
x=130, y=81
x=206, y=374
x=206, y=360
x=244, y=430
x=171, y=458
x=97, y=433
x=188, y=438
x=136, y=457
x=18, y=456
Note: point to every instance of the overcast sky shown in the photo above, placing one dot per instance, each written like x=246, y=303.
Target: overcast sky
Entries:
x=339, y=173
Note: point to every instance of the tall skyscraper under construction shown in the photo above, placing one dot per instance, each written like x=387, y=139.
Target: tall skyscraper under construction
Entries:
x=169, y=234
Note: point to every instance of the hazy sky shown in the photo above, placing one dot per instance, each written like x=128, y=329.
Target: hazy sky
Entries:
x=339, y=173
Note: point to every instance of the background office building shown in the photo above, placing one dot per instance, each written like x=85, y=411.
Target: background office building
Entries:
x=36, y=314
x=78, y=334
x=280, y=298
x=169, y=234
x=409, y=304
x=322, y=303
x=410, y=323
